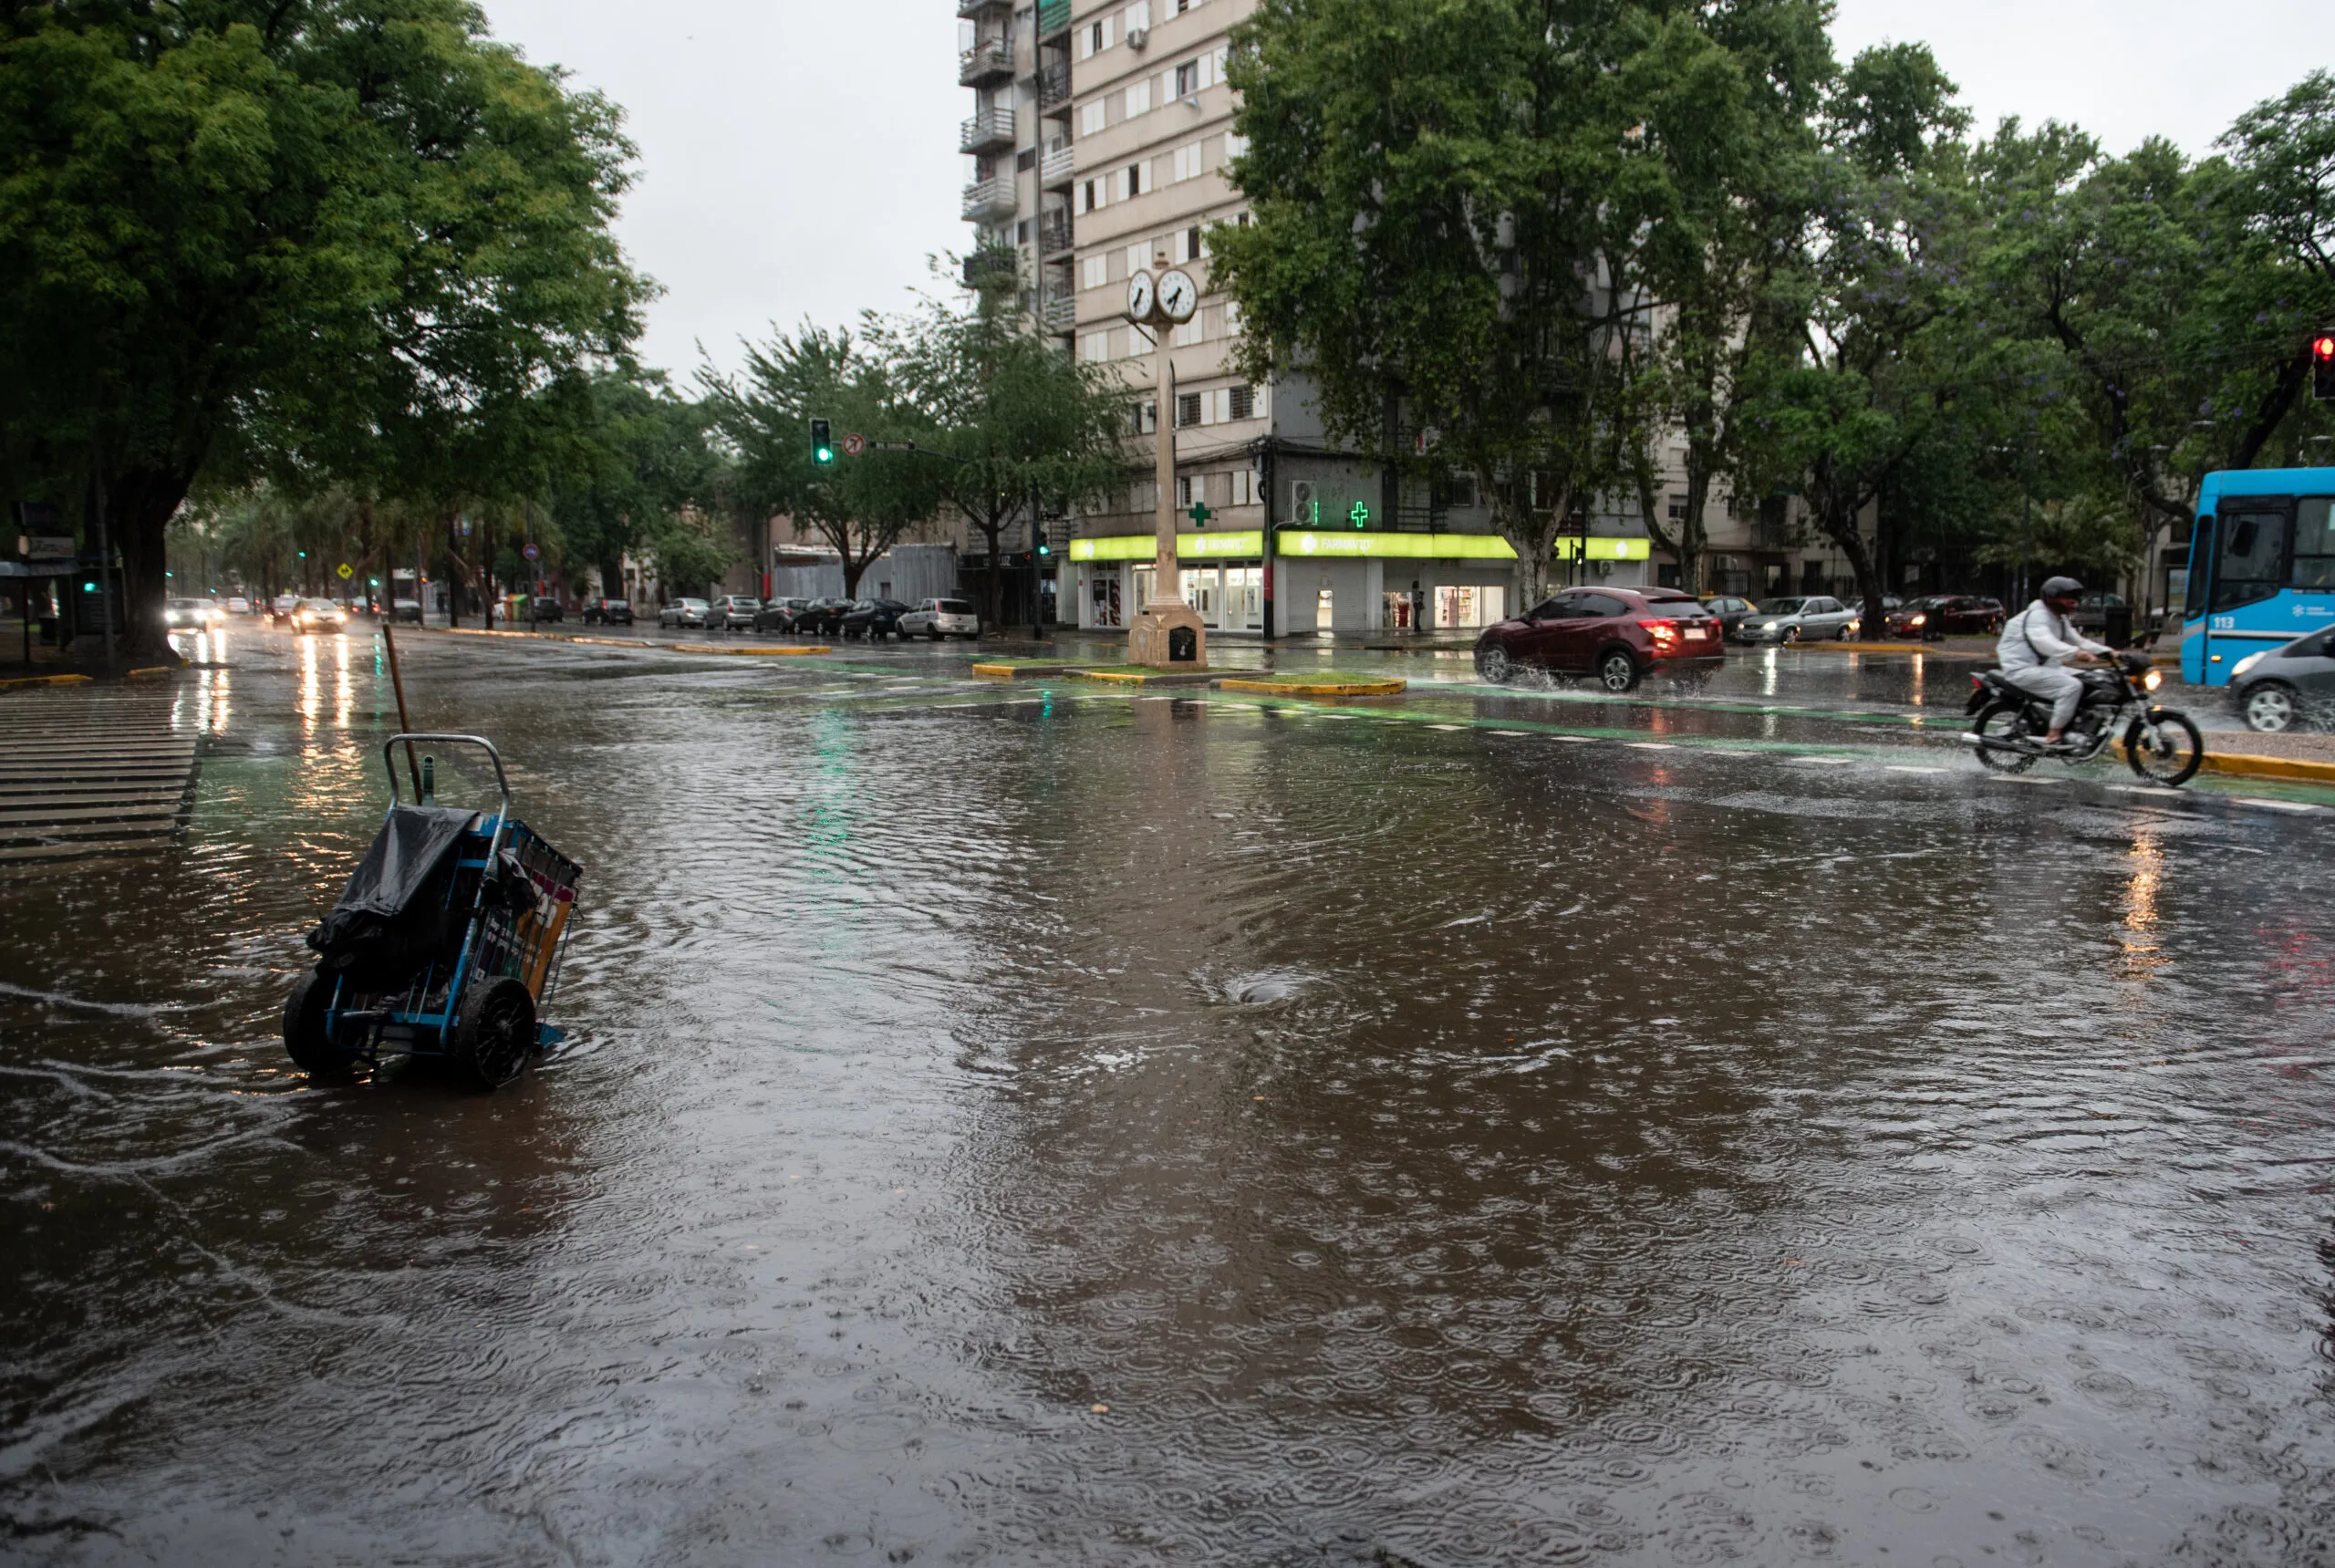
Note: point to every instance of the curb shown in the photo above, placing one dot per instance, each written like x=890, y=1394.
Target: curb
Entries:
x=1147, y=677
x=1388, y=687
x=1019, y=671
x=152, y=671
x=43, y=680
x=2240, y=765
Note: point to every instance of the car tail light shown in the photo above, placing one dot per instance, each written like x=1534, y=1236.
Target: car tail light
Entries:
x=1665, y=632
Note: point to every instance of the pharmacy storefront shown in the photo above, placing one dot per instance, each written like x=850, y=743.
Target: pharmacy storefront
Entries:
x=1322, y=580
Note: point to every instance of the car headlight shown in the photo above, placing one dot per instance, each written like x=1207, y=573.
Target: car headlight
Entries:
x=2243, y=665
x=1918, y=620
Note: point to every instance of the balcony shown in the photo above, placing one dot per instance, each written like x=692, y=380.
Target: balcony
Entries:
x=975, y=7
x=1054, y=16
x=989, y=201
x=1053, y=235
x=1058, y=316
x=1054, y=87
x=990, y=61
x=987, y=132
x=1059, y=168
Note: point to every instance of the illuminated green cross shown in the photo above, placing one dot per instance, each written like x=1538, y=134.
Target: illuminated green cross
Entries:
x=1199, y=514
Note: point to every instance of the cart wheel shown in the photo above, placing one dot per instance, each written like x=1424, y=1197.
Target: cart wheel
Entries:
x=309, y=1043
x=494, y=1032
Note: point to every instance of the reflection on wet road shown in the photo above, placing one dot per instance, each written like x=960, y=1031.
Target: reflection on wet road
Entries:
x=1040, y=1124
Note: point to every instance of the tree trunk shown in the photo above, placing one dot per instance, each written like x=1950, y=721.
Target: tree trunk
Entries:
x=994, y=590
x=140, y=504
x=1844, y=533
x=1528, y=533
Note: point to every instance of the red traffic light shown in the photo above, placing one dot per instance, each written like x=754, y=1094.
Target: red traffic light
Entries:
x=2322, y=348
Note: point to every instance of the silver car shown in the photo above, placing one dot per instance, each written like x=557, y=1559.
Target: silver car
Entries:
x=2282, y=686
x=684, y=613
x=1815, y=619
x=937, y=619
x=731, y=611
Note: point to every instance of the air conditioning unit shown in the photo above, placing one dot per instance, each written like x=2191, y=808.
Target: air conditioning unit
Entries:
x=1304, y=503
x=1137, y=37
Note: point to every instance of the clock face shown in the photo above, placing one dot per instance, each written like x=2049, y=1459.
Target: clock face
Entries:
x=1178, y=296
x=1140, y=296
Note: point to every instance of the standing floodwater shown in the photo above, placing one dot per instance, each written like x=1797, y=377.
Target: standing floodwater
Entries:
x=1058, y=1124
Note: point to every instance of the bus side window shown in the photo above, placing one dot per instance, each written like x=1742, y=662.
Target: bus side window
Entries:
x=2314, y=542
x=2252, y=563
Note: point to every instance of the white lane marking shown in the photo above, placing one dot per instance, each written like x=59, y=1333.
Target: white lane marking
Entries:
x=1901, y=768
x=1334, y=715
x=1508, y=731
x=1446, y=726
x=1650, y=745
x=2022, y=778
x=1825, y=762
x=2146, y=789
x=1577, y=740
x=2272, y=804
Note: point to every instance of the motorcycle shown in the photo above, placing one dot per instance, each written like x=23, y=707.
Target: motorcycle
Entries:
x=2162, y=745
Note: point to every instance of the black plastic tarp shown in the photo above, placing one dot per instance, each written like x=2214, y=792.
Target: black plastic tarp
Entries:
x=392, y=918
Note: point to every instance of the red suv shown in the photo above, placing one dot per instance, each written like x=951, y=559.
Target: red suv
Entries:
x=1614, y=634
x=1946, y=615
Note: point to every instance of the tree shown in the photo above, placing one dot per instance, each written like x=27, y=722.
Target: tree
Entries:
x=1877, y=271
x=860, y=505
x=1025, y=423
x=343, y=236
x=1448, y=202
x=645, y=460
x=1728, y=116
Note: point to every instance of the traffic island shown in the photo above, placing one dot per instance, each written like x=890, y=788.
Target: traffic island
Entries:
x=1144, y=675
x=1324, y=683
x=1021, y=669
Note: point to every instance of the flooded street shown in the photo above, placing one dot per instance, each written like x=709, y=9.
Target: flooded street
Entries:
x=1049, y=1123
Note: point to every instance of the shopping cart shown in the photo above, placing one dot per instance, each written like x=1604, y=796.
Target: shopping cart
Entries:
x=446, y=942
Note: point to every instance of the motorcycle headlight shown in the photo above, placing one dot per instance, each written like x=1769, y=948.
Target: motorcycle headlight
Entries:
x=2153, y=680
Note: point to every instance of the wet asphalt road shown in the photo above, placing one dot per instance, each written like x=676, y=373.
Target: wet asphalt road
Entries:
x=1049, y=1124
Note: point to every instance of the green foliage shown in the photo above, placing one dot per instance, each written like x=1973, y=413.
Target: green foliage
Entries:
x=347, y=240
x=687, y=554
x=644, y=458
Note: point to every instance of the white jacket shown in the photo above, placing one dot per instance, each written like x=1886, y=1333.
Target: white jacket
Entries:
x=2040, y=636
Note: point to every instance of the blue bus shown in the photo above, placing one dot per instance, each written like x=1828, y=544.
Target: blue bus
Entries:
x=2261, y=566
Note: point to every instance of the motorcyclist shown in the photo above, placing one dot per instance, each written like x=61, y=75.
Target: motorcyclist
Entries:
x=2038, y=645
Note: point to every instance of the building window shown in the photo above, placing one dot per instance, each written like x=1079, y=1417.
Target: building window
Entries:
x=1184, y=494
x=1146, y=417
x=1677, y=509
x=1234, y=146
x=1185, y=336
x=1462, y=487
x=1094, y=118
x=1021, y=232
x=1090, y=195
x=1139, y=257
x=1096, y=271
x=1139, y=97
x=1241, y=402
x=1025, y=161
x=1188, y=162
x=1188, y=409
x=1188, y=80
x=1096, y=349
x=1244, y=487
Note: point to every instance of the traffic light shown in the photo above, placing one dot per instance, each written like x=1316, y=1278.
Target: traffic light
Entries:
x=1044, y=549
x=2323, y=367
x=823, y=442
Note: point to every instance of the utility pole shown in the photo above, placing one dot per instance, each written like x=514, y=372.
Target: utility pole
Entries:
x=105, y=546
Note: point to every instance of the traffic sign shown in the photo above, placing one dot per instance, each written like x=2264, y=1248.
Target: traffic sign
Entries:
x=346, y=571
x=854, y=444
x=530, y=551
x=891, y=446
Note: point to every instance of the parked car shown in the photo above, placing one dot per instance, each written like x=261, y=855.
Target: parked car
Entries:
x=1730, y=609
x=238, y=604
x=320, y=615
x=192, y=614
x=821, y=618
x=1946, y=615
x=937, y=619
x=544, y=607
x=2093, y=609
x=684, y=613
x=607, y=612
x=778, y=615
x=2282, y=686
x=1813, y=618
x=732, y=611
x=874, y=618
x=406, y=609
x=1615, y=634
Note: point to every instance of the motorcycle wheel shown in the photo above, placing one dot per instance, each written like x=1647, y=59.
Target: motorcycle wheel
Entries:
x=2005, y=722
x=2168, y=750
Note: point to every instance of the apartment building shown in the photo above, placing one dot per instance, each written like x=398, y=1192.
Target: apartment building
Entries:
x=1100, y=136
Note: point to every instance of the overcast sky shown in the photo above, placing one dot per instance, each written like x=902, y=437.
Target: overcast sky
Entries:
x=798, y=157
